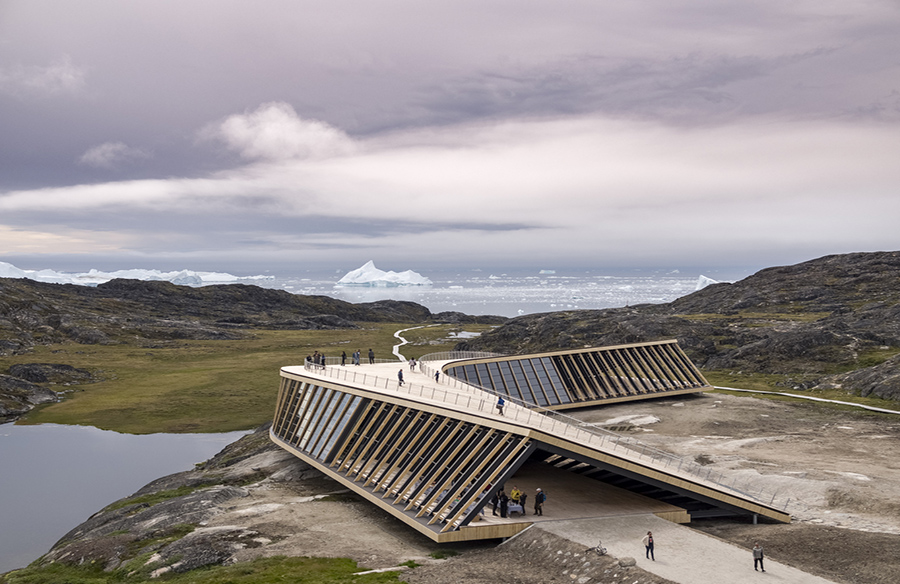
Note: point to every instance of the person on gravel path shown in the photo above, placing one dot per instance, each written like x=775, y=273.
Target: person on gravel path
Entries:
x=758, y=555
x=648, y=545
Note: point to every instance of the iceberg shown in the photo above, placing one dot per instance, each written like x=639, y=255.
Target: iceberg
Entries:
x=94, y=277
x=369, y=275
x=703, y=282
x=10, y=271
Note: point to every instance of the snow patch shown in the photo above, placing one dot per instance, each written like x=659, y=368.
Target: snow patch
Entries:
x=851, y=475
x=464, y=335
x=635, y=419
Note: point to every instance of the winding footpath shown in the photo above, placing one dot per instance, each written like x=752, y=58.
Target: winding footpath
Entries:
x=398, y=335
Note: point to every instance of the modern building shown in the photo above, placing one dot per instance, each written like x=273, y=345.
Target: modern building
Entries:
x=434, y=451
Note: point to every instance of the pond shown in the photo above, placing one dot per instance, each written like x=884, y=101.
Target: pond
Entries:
x=54, y=477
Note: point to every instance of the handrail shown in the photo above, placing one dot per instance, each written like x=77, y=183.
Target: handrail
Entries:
x=549, y=421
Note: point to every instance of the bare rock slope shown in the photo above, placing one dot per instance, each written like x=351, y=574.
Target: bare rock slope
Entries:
x=813, y=321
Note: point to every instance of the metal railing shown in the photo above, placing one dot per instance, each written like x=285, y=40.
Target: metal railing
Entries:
x=447, y=390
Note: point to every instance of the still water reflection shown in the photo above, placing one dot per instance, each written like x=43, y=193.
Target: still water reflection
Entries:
x=53, y=477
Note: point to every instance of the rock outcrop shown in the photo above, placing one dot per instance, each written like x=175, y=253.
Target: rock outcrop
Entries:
x=133, y=311
x=18, y=396
x=813, y=321
x=164, y=521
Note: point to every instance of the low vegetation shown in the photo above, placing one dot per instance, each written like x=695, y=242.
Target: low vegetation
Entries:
x=205, y=385
x=261, y=571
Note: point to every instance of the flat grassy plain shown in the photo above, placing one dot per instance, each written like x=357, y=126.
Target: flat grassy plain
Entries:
x=205, y=386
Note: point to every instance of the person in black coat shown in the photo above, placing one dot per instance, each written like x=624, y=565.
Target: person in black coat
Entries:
x=504, y=502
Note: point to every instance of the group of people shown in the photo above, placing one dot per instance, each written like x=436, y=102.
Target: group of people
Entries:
x=757, y=551
x=355, y=356
x=317, y=359
x=501, y=501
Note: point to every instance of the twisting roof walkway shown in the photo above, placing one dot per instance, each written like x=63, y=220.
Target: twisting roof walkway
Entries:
x=434, y=450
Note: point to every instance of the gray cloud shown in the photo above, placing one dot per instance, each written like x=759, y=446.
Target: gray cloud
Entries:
x=493, y=131
x=60, y=77
x=111, y=154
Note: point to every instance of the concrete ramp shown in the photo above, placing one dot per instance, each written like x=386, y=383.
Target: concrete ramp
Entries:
x=682, y=554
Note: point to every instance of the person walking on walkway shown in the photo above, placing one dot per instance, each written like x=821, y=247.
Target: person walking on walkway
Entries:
x=343, y=358
x=500, y=404
x=758, y=555
x=371, y=357
x=437, y=376
x=648, y=545
x=400, y=376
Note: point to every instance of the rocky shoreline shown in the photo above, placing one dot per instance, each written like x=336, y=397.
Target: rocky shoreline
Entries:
x=254, y=500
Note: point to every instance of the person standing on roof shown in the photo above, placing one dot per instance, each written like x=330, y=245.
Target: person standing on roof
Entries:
x=400, y=376
x=500, y=404
x=371, y=357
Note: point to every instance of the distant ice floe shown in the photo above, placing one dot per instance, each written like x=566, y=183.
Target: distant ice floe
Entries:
x=370, y=276
x=464, y=335
x=703, y=282
x=94, y=277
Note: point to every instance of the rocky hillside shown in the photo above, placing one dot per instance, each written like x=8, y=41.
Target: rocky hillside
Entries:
x=34, y=312
x=142, y=313
x=833, y=322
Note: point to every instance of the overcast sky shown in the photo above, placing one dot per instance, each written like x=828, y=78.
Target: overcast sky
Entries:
x=246, y=136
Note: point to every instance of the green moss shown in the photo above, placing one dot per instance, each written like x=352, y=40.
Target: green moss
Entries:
x=873, y=357
x=260, y=571
x=443, y=554
x=153, y=498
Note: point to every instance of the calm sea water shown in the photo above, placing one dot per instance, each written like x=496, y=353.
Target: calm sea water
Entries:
x=54, y=477
x=510, y=294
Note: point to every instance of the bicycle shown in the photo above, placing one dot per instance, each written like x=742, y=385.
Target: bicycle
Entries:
x=598, y=549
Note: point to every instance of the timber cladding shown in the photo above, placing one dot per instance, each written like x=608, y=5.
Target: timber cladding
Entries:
x=436, y=458
x=429, y=467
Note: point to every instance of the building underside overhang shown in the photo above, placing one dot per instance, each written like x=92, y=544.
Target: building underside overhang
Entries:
x=433, y=453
